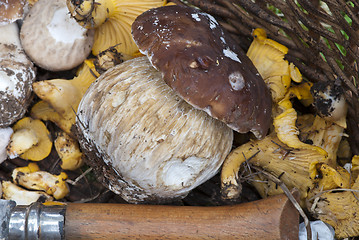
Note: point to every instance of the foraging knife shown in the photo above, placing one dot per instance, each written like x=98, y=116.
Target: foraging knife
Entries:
x=271, y=218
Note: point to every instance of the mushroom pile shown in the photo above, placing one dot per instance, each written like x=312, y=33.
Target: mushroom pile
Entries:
x=41, y=39
x=152, y=97
x=144, y=140
x=301, y=150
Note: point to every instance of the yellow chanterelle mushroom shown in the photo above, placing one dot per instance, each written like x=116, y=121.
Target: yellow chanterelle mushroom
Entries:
x=31, y=177
x=112, y=20
x=268, y=57
x=30, y=140
x=339, y=208
x=300, y=151
x=21, y=196
x=60, y=97
x=69, y=152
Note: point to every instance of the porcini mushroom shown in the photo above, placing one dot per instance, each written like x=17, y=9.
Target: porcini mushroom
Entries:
x=30, y=140
x=111, y=20
x=52, y=39
x=330, y=102
x=142, y=140
x=327, y=128
x=202, y=63
x=31, y=177
x=17, y=73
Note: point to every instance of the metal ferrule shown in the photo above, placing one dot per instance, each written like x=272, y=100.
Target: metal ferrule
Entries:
x=37, y=221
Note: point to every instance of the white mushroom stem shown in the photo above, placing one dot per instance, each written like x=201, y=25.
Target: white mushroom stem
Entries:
x=21, y=141
x=10, y=34
x=5, y=134
x=152, y=145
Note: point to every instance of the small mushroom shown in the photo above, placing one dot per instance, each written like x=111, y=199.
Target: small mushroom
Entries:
x=327, y=128
x=285, y=118
x=330, y=102
x=60, y=97
x=30, y=140
x=22, y=196
x=17, y=73
x=5, y=134
x=309, y=142
x=323, y=133
x=111, y=20
x=294, y=166
x=31, y=177
x=69, y=152
x=11, y=10
x=201, y=62
x=339, y=209
x=142, y=140
x=269, y=58
x=44, y=111
x=108, y=59
x=52, y=39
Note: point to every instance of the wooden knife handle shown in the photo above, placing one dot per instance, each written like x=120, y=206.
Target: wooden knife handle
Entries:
x=271, y=218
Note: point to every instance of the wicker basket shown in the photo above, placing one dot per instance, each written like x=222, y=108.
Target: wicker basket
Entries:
x=322, y=38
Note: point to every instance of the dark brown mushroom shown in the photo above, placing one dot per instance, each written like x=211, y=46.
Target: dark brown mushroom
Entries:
x=11, y=10
x=203, y=64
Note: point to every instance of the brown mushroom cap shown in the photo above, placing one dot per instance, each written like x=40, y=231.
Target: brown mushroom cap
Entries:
x=11, y=10
x=202, y=63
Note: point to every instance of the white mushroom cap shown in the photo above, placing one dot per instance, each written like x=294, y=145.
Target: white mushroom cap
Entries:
x=17, y=74
x=52, y=39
